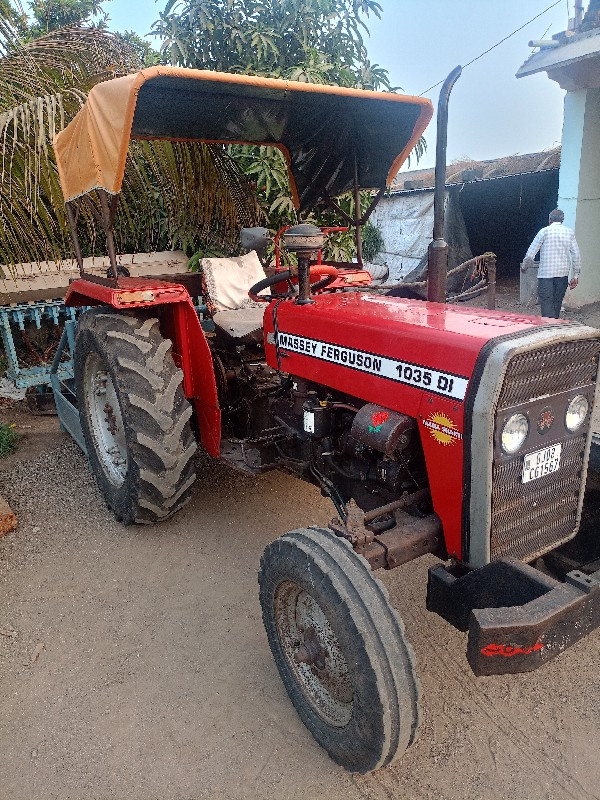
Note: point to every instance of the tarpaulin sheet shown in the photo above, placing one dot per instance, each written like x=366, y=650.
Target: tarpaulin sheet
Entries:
x=406, y=224
x=320, y=129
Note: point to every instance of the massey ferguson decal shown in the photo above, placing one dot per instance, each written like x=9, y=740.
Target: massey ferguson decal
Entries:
x=431, y=380
x=442, y=428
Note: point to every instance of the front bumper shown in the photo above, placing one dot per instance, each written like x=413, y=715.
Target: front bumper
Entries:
x=517, y=617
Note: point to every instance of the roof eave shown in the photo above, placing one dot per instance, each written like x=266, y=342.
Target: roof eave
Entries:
x=557, y=57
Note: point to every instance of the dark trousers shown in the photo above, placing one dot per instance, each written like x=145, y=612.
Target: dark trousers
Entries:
x=551, y=292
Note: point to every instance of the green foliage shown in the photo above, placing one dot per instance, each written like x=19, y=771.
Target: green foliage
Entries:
x=173, y=194
x=42, y=86
x=267, y=169
x=51, y=15
x=206, y=249
x=145, y=54
x=312, y=40
x=372, y=242
x=9, y=439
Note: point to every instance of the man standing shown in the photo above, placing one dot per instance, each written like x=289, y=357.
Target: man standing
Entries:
x=559, y=261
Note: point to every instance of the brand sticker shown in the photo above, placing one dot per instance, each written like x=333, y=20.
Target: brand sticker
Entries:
x=545, y=420
x=442, y=428
x=417, y=375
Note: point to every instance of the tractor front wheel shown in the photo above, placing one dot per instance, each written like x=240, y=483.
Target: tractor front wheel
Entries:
x=134, y=415
x=340, y=649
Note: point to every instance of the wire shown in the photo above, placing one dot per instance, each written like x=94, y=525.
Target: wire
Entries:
x=493, y=47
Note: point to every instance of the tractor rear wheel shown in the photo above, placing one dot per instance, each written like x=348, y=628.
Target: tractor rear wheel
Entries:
x=134, y=415
x=340, y=649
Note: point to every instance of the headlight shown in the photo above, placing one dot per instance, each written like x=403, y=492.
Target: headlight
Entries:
x=514, y=433
x=576, y=412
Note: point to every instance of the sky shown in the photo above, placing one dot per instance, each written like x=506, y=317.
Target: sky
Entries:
x=492, y=114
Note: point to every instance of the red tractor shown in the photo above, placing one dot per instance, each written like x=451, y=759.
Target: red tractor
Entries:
x=433, y=428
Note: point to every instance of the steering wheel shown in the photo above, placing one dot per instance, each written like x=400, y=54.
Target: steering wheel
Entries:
x=324, y=273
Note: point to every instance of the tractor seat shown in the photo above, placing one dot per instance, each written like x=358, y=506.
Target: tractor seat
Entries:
x=227, y=281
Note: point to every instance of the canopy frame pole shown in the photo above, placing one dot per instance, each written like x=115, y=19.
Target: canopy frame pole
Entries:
x=341, y=212
x=373, y=205
x=109, y=209
x=106, y=219
x=365, y=217
x=72, y=217
x=357, y=217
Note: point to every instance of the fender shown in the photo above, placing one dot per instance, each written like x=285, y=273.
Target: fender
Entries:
x=179, y=322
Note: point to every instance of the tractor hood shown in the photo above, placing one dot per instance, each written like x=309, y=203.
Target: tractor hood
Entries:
x=326, y=133
x=370, y=345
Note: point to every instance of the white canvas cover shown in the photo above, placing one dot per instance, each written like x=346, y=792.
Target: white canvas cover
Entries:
x=406, y=224
x=405, y=221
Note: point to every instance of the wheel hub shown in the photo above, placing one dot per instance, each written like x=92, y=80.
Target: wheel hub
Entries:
x=314, y=654
x=310, y=651
x=105, y=419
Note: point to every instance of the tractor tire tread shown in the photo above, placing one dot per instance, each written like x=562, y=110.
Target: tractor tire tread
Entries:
x=155, y=412
x=332, y=567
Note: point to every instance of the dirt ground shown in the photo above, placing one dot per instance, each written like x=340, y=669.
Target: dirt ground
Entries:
x=139, y=667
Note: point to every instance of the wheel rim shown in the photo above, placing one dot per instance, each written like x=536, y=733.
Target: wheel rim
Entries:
x=313, y=654
x=105, y=419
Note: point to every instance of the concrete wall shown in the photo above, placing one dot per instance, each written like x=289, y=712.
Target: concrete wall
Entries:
x=49, y=280
x=579, y=188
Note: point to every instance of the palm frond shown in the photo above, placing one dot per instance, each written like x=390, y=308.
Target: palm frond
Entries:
x=173, y=195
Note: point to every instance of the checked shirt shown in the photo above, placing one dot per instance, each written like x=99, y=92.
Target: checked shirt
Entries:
x=559, y=252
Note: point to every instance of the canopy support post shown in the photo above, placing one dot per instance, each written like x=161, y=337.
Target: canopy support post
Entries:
x=357, y=217
x=365, y=217
x=109, y=209
x=72, y=218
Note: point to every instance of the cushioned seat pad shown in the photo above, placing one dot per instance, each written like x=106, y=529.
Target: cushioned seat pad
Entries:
x=241, y=322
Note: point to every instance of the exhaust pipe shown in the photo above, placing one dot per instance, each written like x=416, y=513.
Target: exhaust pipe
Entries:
x=437, y=266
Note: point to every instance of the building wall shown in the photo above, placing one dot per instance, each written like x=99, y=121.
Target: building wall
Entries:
x=579, y=188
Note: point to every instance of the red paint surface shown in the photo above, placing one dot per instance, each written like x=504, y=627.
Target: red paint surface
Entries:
x=379, y=417
x=179, y=322
x=433, y=335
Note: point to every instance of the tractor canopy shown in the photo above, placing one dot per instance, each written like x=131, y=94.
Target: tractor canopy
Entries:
x=329, y=135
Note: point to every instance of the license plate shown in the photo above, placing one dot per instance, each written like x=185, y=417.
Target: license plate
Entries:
x=541, y=463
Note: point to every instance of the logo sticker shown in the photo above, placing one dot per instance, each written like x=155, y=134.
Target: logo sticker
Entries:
x=442, y=428
x=509, y=650
x=377, y=420
x=545, y=420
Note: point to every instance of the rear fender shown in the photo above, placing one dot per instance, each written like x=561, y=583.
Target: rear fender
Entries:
x=179, y=322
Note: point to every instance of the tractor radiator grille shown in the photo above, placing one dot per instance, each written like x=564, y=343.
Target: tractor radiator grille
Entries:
x=549, y=370
x=528, y=518
x=531, y=518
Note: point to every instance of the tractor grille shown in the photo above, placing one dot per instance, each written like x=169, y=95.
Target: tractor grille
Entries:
x=528, y=518
x=549, y=370
x=531, y=518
